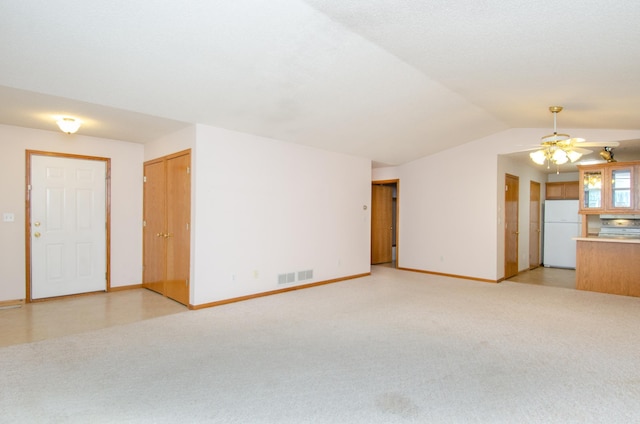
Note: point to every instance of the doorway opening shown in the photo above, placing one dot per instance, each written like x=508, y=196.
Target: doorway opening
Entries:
x=385, y=195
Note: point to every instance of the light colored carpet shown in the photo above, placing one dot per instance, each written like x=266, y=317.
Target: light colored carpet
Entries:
x=394, y=347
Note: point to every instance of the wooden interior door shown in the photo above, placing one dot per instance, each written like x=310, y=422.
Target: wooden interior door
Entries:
x=534, y=225
x=381, y=223
x=167, y=225
x=511, y=231
x=178, y=237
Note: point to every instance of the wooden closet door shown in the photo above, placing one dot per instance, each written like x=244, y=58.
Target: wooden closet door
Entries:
x=167, y=226
x=153, y=274
x=178, y=238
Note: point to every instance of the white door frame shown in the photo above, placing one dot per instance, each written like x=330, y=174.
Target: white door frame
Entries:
x=29, y=227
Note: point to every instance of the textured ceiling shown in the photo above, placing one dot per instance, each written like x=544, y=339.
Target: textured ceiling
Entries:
x=388, y=80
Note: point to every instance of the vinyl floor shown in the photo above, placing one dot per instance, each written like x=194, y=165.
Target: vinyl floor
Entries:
x=37, y=321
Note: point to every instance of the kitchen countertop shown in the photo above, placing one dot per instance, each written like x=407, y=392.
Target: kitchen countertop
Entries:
x=609, y=239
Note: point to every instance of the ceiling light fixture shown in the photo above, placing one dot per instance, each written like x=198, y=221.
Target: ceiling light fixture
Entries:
x=68, y=125
x=557, y=148
x=607, y=154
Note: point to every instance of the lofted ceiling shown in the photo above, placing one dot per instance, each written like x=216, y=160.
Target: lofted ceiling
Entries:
x=388, y=80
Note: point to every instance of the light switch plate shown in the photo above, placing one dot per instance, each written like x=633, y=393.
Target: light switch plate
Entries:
x=8, y=217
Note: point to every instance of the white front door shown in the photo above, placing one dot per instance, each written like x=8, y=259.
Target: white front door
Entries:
x=68, y=226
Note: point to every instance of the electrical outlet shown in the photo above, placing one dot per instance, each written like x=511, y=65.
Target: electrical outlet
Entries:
x=8, y=217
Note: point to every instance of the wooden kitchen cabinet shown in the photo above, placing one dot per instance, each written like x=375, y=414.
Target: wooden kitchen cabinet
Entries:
x=620, y=197
x=608, y=266
x=609, y=188
x=563, y=190
x=591, y=189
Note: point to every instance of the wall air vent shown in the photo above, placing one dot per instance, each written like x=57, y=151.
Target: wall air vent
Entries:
x=290, y=277
x=305, y=275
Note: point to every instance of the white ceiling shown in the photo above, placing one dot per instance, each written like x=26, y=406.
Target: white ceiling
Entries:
x=388, y=80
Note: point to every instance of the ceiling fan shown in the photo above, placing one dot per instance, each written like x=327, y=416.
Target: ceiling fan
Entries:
x=561, y=148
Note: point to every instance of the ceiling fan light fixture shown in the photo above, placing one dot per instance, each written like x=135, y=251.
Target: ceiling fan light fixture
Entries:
x=539, y=156
x=559, y=157
x=68, y=125
x=557, y=147
x=573, y=155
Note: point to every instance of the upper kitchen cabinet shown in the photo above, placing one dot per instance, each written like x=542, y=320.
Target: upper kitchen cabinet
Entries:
x=591, y=189
x=564, y=190
x=620, y=188
x=609, y=188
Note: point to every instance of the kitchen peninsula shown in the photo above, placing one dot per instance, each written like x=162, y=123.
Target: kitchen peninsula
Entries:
x=608, y=253
x=608, y=265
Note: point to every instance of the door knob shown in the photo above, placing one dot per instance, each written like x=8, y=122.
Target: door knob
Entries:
x=37, y=223
x=36, y=234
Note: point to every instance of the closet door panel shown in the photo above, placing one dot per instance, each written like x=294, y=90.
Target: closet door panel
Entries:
x=154, y=224
x=178, y=228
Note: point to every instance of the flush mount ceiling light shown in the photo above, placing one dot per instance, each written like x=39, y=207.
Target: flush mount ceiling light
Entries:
x=561, y=148
x=68, y=125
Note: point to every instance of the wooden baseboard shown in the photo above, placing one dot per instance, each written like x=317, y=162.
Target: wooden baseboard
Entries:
x=269, y=293
x=464, y=277
x=121, y=288
x=12, y=303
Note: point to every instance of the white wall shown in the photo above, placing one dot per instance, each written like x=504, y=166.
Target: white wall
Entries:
x=180, y=140
x=565, y=176
x=262, y=207
x=384, y=174
x=447, y=213
x=451, y=204
x=126, y=201
x=266, y=207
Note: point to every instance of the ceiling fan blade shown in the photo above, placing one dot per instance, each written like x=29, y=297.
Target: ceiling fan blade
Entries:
x=598, y=144
x=529, y=148
x=581, y=150
x=575, y=140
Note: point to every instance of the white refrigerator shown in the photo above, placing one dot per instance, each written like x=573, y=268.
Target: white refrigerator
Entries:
x=562, y=223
